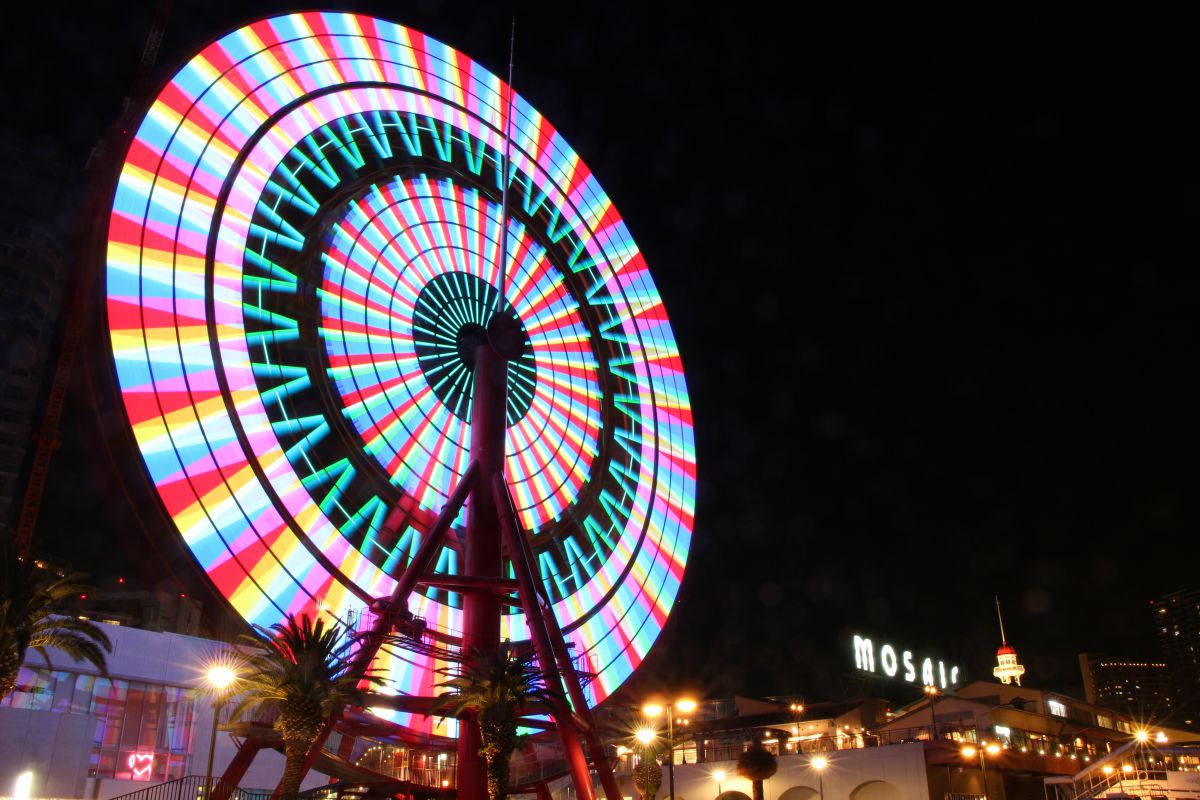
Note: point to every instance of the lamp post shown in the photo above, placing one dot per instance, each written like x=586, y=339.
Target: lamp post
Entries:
x=819, y=763
x=932, y=693
x=219, y=678
x=652, y=710
x=989, y=749
x=718, y=776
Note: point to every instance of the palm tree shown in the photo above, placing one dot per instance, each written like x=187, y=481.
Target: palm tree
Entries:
x=497, y=688
x=35, y=613
x=300, y=669
x=757, y=764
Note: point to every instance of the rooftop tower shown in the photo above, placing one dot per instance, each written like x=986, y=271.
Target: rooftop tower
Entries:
x=1007, y=669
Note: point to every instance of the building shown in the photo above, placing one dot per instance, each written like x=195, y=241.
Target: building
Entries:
x=32, y=275
x=1135, y=686
x=1177, y=624
x=985, y=739
x=85, y=735
x=1008, y=669
x=161, y=610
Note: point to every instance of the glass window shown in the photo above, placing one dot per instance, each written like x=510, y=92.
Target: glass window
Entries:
x=1056, y=708
x=144, y=731
x=34, y=690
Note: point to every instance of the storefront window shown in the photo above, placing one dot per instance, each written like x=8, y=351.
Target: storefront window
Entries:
x=144, y=731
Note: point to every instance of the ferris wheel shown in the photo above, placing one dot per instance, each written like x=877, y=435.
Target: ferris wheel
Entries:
x=308, y=254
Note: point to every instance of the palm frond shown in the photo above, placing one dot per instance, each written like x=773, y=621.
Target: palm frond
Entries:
x=35, y=612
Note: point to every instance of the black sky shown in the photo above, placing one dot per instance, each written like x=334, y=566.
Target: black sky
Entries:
x=935, y=300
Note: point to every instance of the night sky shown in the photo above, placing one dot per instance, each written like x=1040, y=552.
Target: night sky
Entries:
x=934, y=301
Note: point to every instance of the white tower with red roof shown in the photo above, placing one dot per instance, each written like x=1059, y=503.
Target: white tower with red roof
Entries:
x=1007, y=669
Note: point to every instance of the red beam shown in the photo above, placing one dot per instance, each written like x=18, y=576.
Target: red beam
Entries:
x=468, y=583
x=519, y=545
x=535, y=618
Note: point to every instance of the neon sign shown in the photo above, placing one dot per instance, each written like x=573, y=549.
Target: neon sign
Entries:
x=141, y=766
x=903, y=664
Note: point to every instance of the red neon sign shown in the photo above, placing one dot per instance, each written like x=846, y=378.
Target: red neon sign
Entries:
x=141, y=766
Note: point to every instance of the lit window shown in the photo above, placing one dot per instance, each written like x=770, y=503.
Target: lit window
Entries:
x=1056, y=708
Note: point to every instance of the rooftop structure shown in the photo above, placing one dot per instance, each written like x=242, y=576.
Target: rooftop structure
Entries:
x=1007, y=669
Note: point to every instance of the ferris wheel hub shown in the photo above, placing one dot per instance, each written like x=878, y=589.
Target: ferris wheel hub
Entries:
x=507, y=336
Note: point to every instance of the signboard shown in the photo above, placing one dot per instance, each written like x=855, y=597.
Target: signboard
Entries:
x=903, y=664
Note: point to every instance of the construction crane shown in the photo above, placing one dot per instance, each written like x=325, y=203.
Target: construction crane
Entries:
x=74, y=316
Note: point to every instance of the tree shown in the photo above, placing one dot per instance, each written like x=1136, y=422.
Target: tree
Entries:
x=497, y=689
x=757, y=764
x=35, y=614
x=300, y=669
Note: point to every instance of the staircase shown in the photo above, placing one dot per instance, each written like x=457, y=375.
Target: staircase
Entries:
x=190, y=787
x=1113, y=775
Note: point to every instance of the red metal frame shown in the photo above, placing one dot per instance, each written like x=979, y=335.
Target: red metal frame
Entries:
x=493, y=531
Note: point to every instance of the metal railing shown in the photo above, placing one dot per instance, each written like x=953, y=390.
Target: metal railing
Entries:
x=189, y=787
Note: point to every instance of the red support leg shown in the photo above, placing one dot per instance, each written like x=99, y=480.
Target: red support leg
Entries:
x=390, y=609
x=535, y=618
x=481, y=550
x=236, y=770
x=519, y=550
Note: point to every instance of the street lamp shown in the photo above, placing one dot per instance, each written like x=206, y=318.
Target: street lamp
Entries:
x=652, y=710
x=932, y=693
x=219, y=677
x=990, y=749
x=718, y=776
x=819, y=763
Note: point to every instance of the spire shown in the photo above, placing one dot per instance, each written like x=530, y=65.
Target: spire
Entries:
x=1007, y=669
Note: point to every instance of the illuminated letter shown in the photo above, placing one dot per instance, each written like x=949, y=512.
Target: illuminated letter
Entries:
x=910, y=672
x=954, y=675
x=887, y=657
x=864, y=654
x=927, y=672
x=942, y=673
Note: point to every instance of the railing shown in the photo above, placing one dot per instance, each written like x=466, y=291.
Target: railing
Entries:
x=1099, y=776
x=963, y=796
x=419, y=767
x=189, y=787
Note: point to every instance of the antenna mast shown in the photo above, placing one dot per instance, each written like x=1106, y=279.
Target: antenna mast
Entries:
x=999, y=616
x=504, y=168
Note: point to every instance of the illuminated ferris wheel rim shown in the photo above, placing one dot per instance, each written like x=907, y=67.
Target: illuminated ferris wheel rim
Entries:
x=539, y=154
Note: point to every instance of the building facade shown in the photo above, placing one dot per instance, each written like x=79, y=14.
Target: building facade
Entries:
x=983, y=740
x=1177, y=624
x=1134, y=686
x=82, y=734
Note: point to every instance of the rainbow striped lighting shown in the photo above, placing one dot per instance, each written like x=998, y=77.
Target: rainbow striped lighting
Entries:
x=308, y=216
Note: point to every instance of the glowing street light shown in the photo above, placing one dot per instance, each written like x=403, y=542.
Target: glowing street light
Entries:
x=1142, y=735
x=652, y=710
x=932, y=693
x=718, y=776
x=23, y=786
x=986, y=749
x=219, y=677
x=646, y=735
x=819, y=763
